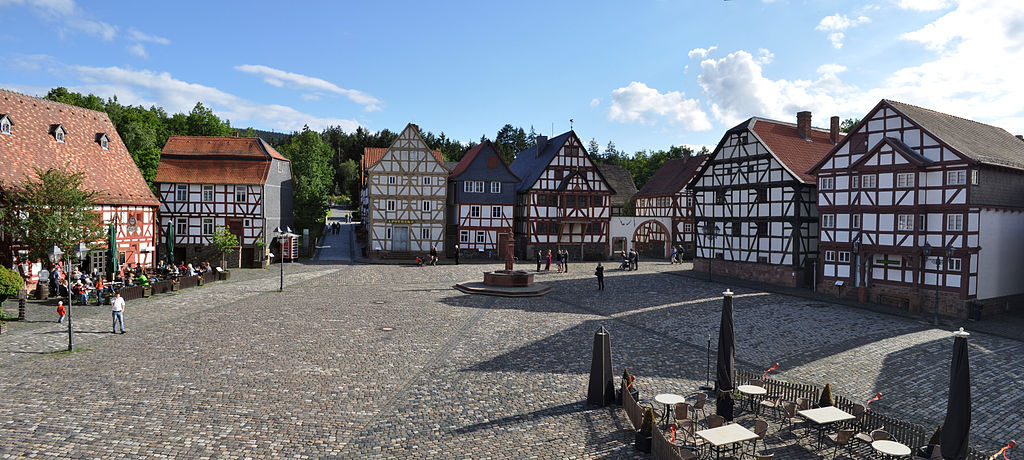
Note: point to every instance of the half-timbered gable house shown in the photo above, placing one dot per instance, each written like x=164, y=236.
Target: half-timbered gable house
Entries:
x=404, y=191
x=562, y=200
x=482, y=195
x=755, y=203
x=665, y=195
x=242, y=183
x=913, y=199
x=37, y=133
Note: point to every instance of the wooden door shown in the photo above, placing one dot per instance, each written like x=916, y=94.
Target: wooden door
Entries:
x=400, y=239
x=235, y=227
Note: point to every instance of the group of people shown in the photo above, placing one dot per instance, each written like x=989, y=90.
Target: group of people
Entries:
x=560, y=257
x=334, y=228
x=677, y=255
x=432, y=257
x=630, y=260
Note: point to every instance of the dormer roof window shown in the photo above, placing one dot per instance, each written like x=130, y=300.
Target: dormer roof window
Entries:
x=103, y=140
x=58, y=132
x=5, y=124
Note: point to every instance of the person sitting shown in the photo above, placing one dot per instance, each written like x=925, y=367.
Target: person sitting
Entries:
x=80, y=293
x=142, y=279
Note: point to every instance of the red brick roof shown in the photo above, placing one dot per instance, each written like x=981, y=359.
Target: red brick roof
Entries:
x=796, y=153
x=111, y=173
x=672, y=176
x=216, y=160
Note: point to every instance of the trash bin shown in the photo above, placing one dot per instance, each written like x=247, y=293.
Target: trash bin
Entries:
x=975, y=312
x=42, y=291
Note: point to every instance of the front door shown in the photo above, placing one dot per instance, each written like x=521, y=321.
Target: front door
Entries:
x=400, y=239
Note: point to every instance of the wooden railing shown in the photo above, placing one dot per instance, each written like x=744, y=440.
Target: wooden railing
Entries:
x=188, y=281
x=788, y=391
x=632, y=409
x=161, y=287
x=131, y=293
x=661, y=448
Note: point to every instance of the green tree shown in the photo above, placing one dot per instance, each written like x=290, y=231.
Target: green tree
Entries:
x=202, y=122
x=61, y=94
x=313, y=174
x=10, y=283
x=593, y=148
x=848, y=125
x=52, y=209
x=348, y=174
x=225, y=242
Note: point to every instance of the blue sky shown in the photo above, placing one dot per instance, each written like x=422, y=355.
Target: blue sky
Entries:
x=644, y=74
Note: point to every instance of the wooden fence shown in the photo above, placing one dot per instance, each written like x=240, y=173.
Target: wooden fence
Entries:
x=209, y=277
x=661, y=448
x=632, y=409
x=188, y=281
x=130, y=293
x=161, y=287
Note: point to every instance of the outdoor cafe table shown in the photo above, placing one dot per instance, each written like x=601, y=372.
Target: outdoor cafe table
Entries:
x=825, y=416
x=752, y=391
x=669, y=400
x=726, y=435
x=891, y=448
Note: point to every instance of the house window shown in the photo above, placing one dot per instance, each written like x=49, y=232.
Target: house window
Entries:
x=207, y=193
x=181, y=192
x=830, y=256
x=474, y=211
x=762, y=229
x=582, y=201
x=761, y=195
x=844, y=256
x=391, y=205
x=5, y=125
x=207, y=226
x=59, y=135
x=720, y=196
x=541, y=228
x=425, y=206
x=904, y=180
x=687, y=228
x=974, y=177
x=956, y=177
x=181, y=226
x=954, y=264
x=854, y=181
x=392, y=180
x=463, y=236
x=922, y=222
x=481, y=237
x=427, y=180
x=955, y=222
x=828, y=221
x=570, y=201
x=868, y=181
x=467, y=187
x=855, y=221
x=689, y=202
x=495, y=211
x=495, y=187
x=104, y=142
x=478, y=186
x=425, y=234
x=387, y=233
x=247, y=223
x=905, y=222
x=241, y=194
x=826, y=183
x=596, y=228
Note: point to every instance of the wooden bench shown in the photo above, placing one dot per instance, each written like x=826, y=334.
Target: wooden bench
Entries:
x=893, y=300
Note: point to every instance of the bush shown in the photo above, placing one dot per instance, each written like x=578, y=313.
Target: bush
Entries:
x=10, y=283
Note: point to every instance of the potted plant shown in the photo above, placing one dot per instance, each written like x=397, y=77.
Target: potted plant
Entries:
x=627, y=385
x=175, y=285
x=643, y=435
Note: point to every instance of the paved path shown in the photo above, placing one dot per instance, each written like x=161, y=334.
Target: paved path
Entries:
x=337, y=247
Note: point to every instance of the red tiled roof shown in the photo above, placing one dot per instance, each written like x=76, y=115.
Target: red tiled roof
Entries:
x=371, y=155
x=216, y=160
x=795, y=152
x=672, y=176
x=111, y=173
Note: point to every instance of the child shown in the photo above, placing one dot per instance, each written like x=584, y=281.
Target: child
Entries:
x=61, y=312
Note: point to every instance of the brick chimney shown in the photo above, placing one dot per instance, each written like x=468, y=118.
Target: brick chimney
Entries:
x=803, y=124
x=833, y=130
x=542, y=141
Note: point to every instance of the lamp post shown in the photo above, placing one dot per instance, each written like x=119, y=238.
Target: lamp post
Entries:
x=57, y=255
x=926, y=250
x=711, y=231
x=281, y=233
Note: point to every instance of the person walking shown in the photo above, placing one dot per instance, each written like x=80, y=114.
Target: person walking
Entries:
x=117, y=313
x=61, y=312
x=547, y=267
x=599, y=272
x=539, y=257
x=456, y=254
x=433, y=254
x=565, y=260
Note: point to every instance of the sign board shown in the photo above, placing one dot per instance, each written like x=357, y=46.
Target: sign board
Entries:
x=399, y=221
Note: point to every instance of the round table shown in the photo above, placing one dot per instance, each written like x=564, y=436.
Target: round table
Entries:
x=753, y=391
x=669, y=400
x=891, y=448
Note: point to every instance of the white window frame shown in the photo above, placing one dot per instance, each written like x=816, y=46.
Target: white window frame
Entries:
x=954, y=264
x=830, y=256
x=244, y=196
x=425, y=207
x=481, y=236
x=844, y=257
x=390, y=205
x=208, y=226
x=212, y=196
x=5, y=126
x=464, y=236
x=496, y=212
x=467, y=186
x=826, y=183
x=905, y=222
x=387, y=233
x=904, y=180
x=974, y=177
x=956, y=177
x=855, y=221
x=478, y=186
x=954, y=222
x=181, y=192
x=181, y=226
x=427, y=180
x=474, y=211
x=868, y=181
x=104, y=142
x=922, y=222
x=828, y=221
x=58, y=135
x=392, y=180
x=854, y=182
x=495, y=187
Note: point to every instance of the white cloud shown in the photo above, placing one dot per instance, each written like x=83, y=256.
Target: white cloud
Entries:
x=139, y=36
x=700, y=53
x=836, y=24
x=639, y=103
x=70, y=17
x=138, y=49
x=147, y=87
x=923, y=5
x=282, y=78
x=595, y=102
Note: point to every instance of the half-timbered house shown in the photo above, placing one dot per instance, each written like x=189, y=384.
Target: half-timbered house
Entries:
x=665, y=195
x=755, y=208
x=913, y=199
x=241, y=183
x=404, y=195
x=562, y=200
x=37, y=133
x=482, y=195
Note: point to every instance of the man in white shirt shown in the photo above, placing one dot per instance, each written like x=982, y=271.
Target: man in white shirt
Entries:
x=117, y=312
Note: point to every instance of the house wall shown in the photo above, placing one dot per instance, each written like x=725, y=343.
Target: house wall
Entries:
x=1001, y=258
x=997, y=187
x=279, y=198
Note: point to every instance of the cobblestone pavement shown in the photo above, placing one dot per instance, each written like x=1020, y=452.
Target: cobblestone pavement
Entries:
x=389, y=362
x=337, y=247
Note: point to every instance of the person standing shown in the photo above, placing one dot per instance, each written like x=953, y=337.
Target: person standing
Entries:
x=599, y=272
x=565, y=260
x=99, y=290
x=547, y=267
x=61, y=312
x=456, y=254
x=117, y=313
x=539, y=256
x=433, y=254
x=634, y=260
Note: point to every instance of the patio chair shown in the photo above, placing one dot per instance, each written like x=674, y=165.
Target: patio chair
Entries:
x=686, y=435
x=792, y=418
x=841, y=438
x=876, y=435
x=765, y=457
x=682, y=411
x=803, y=403
x=858, y=412
x=775, y=404
x=698, y=405
x=715, y=421
x=761, y=430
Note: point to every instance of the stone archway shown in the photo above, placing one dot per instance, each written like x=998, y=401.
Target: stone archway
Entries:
x=651, y=239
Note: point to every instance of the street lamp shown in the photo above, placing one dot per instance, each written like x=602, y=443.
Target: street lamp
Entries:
x=281, y=233
x=711, y=231
x=57, y=255
x=926, y=250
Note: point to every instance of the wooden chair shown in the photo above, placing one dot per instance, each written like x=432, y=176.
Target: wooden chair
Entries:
x=715, y=421
x=803, y=403
x=761, y=430
x=682, y=411
x=775, y=404
x=698, y=405
x=792, y=418
x=842, y=438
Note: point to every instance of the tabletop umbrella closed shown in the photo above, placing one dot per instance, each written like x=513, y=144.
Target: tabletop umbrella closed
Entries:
x=726, y=357
x=170, y=243
x=114, y=264
x=957, y=427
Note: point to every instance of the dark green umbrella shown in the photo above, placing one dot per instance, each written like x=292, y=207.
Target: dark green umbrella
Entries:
x=726, y=359
x=114, y=265
x=956, y=430
x=170, y=243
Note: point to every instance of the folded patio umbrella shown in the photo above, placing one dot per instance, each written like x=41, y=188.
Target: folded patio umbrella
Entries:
x=170, y=243
x=826, y=396
x=114, y=264
x=957, y=428
x=726, y=360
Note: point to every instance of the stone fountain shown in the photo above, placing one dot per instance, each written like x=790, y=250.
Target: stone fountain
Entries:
x=506, y=283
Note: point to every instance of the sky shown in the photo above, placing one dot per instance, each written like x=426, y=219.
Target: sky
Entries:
x=643, y=74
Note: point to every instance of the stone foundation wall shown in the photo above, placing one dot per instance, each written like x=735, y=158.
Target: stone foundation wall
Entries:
x=781, y=275
x=921, y=300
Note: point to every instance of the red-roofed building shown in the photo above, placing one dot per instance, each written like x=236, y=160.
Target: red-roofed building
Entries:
x=755, y=212
x=665, y=195
x=241, y=183
x=37, y=133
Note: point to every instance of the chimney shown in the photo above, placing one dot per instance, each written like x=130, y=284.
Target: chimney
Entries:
x=542, y=141
x=833, y=130
x=1020, y=136
x=803, y=124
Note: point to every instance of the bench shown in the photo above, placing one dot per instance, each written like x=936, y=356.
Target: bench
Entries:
x=893, y=300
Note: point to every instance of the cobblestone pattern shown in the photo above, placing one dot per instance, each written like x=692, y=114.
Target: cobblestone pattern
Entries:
x=235, y=369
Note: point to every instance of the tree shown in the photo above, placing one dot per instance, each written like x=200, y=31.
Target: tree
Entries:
x=225, y=242
x=53, y=209
x=202, y=122
x=10, y=283
x=313, y=176
x=593, y=148
x=348, y=174
x=848, y=125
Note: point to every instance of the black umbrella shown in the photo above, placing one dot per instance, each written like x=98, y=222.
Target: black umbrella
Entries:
x=958, y=412
x=602, y=386
x=726, y=356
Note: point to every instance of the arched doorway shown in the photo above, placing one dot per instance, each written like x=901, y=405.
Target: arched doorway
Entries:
x=651, y=239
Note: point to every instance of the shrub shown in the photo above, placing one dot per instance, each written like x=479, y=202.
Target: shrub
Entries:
x=10, y=283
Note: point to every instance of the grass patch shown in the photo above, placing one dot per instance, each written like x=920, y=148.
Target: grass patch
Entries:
x=62, y=353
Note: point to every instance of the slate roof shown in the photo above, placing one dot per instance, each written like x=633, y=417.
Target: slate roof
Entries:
x=470, y=157
x=621, y=182
x=672, y=176
x=529, y=165
x=216, y=160
x=111, y=173
x=980, y=142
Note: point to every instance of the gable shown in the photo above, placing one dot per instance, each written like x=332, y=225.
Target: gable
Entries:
x=409, y=147
x=739, y=151
x=890, y=152
x=482, y=162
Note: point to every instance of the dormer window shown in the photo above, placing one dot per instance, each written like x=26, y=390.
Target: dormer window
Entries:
x=58, y=132
x=5, y=124
x=103, y=140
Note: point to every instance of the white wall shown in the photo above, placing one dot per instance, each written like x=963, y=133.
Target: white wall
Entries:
x=1000, y=271
x=625, y=226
